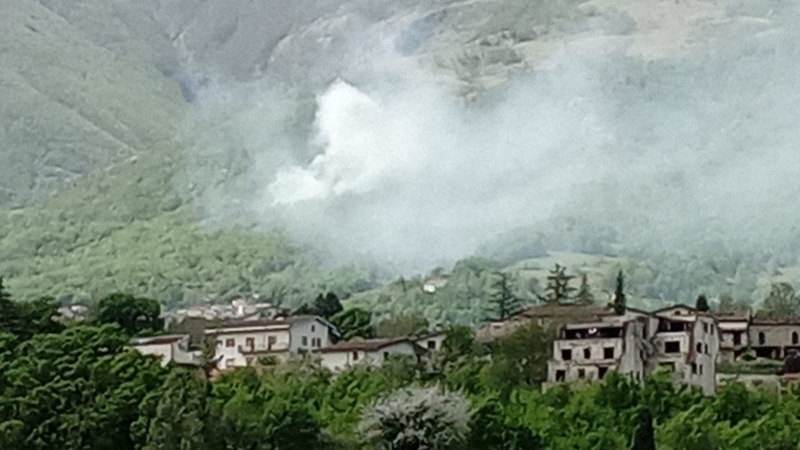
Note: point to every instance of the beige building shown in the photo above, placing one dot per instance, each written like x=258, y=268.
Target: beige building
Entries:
x=734, y=329
x=241, y=344
x=593, y=340
x=432, y=342
x=372, y=352
x=687, y=342
x=774, y=338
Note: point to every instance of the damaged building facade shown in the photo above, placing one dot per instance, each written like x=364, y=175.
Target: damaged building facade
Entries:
x=593, y=340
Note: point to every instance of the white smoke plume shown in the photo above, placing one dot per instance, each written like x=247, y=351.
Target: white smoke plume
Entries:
x=693, y=147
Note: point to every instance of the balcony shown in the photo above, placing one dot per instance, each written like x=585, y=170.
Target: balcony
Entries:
x=258, y=349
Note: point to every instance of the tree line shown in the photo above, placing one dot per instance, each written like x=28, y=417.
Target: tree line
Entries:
x=79, y=386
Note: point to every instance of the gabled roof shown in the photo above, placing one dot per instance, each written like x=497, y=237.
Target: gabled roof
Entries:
x=160, y=340
x=275, y=324
x=369, y=345
x=567, y=311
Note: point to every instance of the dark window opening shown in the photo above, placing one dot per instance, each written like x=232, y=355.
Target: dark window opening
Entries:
x=581, y=373
x=694, y=368
x=385, y=355
x=592, y=333
x=794, y=338
x=561, y=375
x=608, y=353
x=705, y=347
x=587, y=353
x=566, y=355
x=230, y=343
x=705, y=327
x=699, y=348
x=672, y=326
x=672, y=347
x=431, y=345
x=762, y=339
x=355, y=356
x=272, y=340
x=737, y=338
x=701, y=369
x=250, y=343
x=304, y=341
x=601, y=372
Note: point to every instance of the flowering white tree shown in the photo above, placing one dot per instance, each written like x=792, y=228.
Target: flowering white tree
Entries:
x=416, y=419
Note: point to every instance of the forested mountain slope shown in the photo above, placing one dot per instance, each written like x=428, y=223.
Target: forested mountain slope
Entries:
x=137, y=138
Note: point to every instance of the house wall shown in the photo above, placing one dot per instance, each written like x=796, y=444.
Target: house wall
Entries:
x=437, y=341
x=728, y=349
x=162, y=351
x=775, y=335
x=233, y=357
x=308, y=329
x=706, y=339
x=578, y=362
x=336, y=361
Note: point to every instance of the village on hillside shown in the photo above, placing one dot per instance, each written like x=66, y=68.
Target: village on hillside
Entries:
x=699, y=347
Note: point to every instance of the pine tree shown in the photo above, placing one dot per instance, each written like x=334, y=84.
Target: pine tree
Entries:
x=644, y=436
x=702, y=304
x=620, y=300
x=584, y=296
x=506, y=305
x=558, y=288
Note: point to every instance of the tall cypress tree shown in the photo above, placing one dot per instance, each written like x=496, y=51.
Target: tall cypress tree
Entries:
x=506, y=305
x=702, y=304
x=558, y=288
x=644, y=436
x=620, y=299
x=584, y=295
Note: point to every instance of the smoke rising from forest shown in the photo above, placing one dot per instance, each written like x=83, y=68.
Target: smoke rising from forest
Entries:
x=694, y=147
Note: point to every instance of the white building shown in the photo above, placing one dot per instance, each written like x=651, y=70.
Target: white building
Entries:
x=172, y=348
x=240, y=344
x=371, y=352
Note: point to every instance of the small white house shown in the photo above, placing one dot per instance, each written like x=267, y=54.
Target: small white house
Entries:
x=172, y=348
x=371, y=352
x=240, y=344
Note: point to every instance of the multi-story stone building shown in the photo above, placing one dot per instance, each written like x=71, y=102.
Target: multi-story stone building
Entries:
x=774, y=338
x=592, y=340
x=734, y=337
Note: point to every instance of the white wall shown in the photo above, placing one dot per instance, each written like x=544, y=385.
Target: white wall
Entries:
x=162, y=351
x=336, y=361
x=310, y=329
x=233, y=357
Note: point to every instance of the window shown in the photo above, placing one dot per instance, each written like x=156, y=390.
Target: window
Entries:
x=313, y=328
x=561, y=375
x=271, y=340
x=316, y=342
x=230, y=362
x=761, y=338
x=219, y=343
x=701, y=369
x=385, y=355
x=705, y=346
x=794, y=338
x=672, y=347
x=230, y=343
x=601, y=372
x=699, y=347
x=737, y=338
x=587, y=353
x=566, y=355
x=712, y=329
x=304, y=341
x=431, y=345
x=694, y=368
x=355, y=356
x=608, y=353
x=705, y=327
x=250, y=343
x=581, y=373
